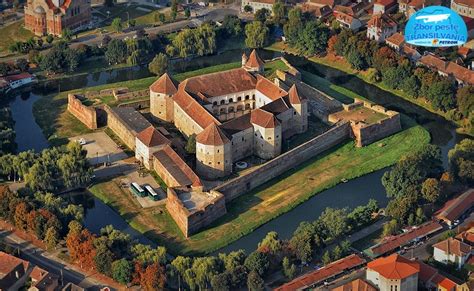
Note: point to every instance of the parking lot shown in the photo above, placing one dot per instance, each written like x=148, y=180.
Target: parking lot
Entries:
x=141, y=180
x=100, y=148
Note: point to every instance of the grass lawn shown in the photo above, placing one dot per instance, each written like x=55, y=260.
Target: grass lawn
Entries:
x=276, y=197
x=11, y=33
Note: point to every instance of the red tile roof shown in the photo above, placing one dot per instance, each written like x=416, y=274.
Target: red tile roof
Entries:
x=386, y=3
x=37, y=273
x=467, y=236
x=264, y=119
x=152, y=137
x=469, y=3
x=177, y=168
x=316, y=10
x=165, y=85
x=456, y=207
x=453, y=246
x=343, y=17
x=356, y=285
x=17, y=77
x=394, y=242
x=193, y=109
x=440, y=280
x=330, y=3
x=450, y=68
x=269, y=89
x=381, y=21
x=318, y=276
x=220, y=83
x=295, y=97
x=427, y=272
x=254, y=61
x=394, y=267
x=9, y=263
x=397, y=39
x=212, y=135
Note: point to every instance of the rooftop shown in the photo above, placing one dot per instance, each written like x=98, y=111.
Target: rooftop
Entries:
x=10, y=263
x=318, y=276
x=453, y=246
x=194, y=200
x=394, y=267
x=360, y=114
x=152, y=137
x=165, y=85
x=254, y=60
x=173, y=163
x=132, y=118
x=397, y=39
x=212, y=135
x=381, y=21
x=456, y=207
x=356, y=285
x=264, y=118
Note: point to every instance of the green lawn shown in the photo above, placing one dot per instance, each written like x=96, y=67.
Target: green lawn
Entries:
x=11, y=33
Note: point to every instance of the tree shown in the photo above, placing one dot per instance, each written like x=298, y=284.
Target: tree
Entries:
x=411, y=86
x=336, y=253
x=294, y=25
x=288, y=269
x=465, y=99
x=312, y=39
x=248, y=8
x=51, y=238
x=145, y=254
x=255, y=282
x=21, y=212
x=334, y=221
x=174, y=9
x=256, y=34
x=461, y=161
x=390, y=228
x=400, y=207
x=159, y=64
x=21, y=64
x=185, y=43
x=257, y=262
x=356, y=60
x=122, y=271
x=233, y=259
x=187, y=13
x=153, y=277
x=270, y=243
x=331, y=43
x=431, y=190
x=117, y=25
x=67, y=34
x=204, y=269
x=205, y=39
x=326, y=258
x=278, y=10
x=161, y=17
x=191, y=144
x=116, y=52
x=441, y=95
x=49, y=38
x=104, y=256
x=221, y=281
x=261, y=15
x=232, y=25
x=301, y=243
x=4, y=68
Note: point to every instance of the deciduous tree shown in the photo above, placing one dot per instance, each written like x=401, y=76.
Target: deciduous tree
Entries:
x=256, y=34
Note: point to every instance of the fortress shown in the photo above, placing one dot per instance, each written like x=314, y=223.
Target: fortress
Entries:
x=233, y=115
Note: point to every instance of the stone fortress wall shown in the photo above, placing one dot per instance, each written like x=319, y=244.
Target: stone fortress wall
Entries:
x=86, y=114
x=191, y=220
x=286, y=161
x=366, y=133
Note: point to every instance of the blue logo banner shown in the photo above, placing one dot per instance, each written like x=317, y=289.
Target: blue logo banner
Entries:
x=436, y=26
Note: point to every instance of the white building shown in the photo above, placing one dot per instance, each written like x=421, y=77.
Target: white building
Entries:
x=380, y=27
x=452, y=250
x=463, y=7
x=257, y=5
x=347, y=21
x=147, y=143
x=393, y=273
x=18, y=80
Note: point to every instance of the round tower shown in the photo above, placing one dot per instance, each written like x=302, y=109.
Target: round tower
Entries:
x=213, y=153
x=161, y=104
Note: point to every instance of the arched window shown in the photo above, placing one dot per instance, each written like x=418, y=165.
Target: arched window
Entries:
x=247, y=106
x=231, y=100
x=239, y=107
x=253, y=96
x=231, y=109
x=223, y=111
x=222, y=102
x=239, y=98
x=246, y=97
x=214, y=103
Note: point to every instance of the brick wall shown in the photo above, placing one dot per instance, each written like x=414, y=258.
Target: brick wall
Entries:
x=279, y=165
x=87, y=115
x=367, y=134
x=121, y=96
x=191, y=222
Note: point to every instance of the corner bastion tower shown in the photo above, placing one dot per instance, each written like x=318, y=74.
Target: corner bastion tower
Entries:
x=234, y=114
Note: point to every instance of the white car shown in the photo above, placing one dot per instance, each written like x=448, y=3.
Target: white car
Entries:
x=82, y=141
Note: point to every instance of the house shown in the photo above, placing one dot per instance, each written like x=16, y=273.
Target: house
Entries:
x=380, y=27
x=395, y=41
x=453, y=251
x=317, y=277
x=463, y=7
x=385, y=6
x=394, y=273
x=353, y=9
x=330, y=3
x=356, y=285
x=257, y=5
x=17, y=81
x=465, y=52
x=411, y=53
x=12, y=271
x=467, y=236
x=72, y=287
x=410, y=7
x=455, y=208
x=147, y=143
x=43, y=280
x=317, y=11
x=44, y=17
x=430, y=278
x=347, y=21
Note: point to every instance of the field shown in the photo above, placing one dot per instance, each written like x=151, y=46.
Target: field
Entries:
x=12, y=33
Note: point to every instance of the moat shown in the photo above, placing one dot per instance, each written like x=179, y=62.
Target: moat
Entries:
x=351, y=194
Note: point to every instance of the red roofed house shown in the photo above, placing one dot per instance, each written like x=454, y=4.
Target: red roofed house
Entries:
x=12, y=270
x=380, y=27
x=456, y=207
x=147, y=142
x=409, y=7
x=18, y=80
x=430, y=278
x=467, y=236
x=356, y=285
x=395, y=41
x=317, y=11
x=385, y=6
x=394, y=273
x=253, y=63
x=43, y=280
x=452, y=250
x=347, y=21
x=463, y=7
x=44, y=17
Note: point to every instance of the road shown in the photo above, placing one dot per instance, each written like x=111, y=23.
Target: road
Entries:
x=44, y=260
x=204, y=14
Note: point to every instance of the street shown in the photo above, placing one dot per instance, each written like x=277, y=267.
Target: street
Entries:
x=42, y=259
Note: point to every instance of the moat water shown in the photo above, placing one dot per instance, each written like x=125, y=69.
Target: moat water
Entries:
x=351, y=194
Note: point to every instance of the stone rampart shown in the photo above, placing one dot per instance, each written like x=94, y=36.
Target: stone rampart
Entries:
x=104, y=93
x=320, y=104
x=366, y=134
x=191, y=221
x=127, y=95
x=138, y=104
x=87, y=115
x=279, y=165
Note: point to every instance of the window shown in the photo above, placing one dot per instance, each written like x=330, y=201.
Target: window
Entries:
x=294, y=112
x=239, y=98
x=231, y=100
x=214, y=103
x=246, y=97
x=222, y=102
x=218, y=150
x=242, y=138
x=253, y=96
x=269, y=138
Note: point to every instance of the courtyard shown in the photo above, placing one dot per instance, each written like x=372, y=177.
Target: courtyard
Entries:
x=100, y=148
